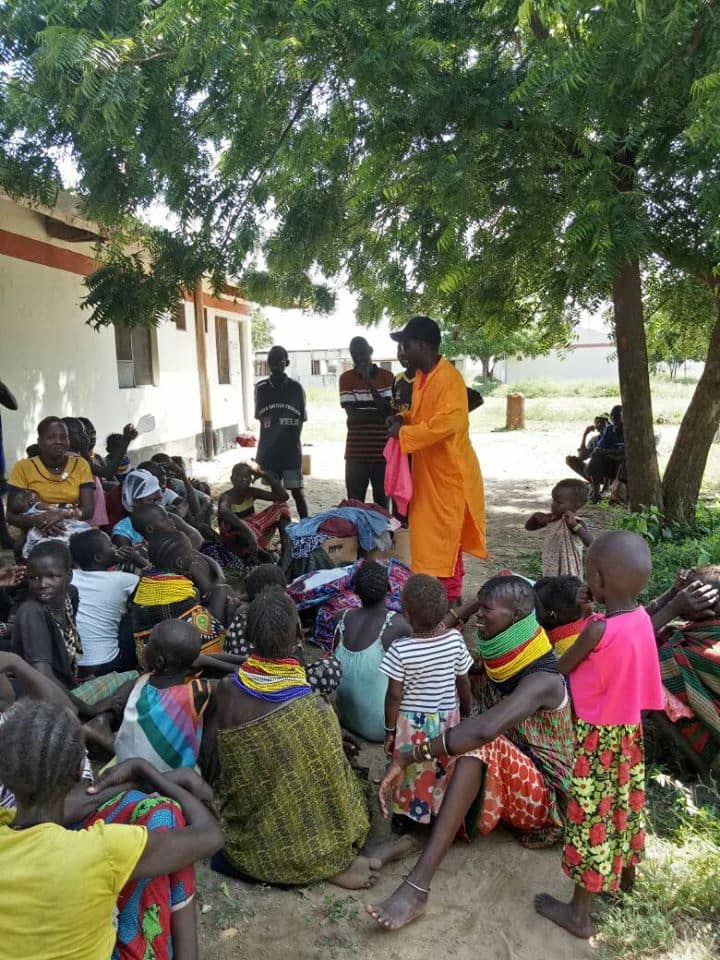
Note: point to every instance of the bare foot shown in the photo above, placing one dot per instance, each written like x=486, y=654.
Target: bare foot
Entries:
x=360, y=875
x=564, y=916
x=401, y=908
x=395, y=848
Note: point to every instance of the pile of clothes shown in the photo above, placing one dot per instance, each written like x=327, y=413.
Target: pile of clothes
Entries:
x=371, y=524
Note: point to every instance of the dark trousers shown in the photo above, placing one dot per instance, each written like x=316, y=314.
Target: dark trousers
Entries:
x=358, y=474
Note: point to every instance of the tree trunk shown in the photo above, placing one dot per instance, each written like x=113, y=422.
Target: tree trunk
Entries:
x=486, y=368
x=644, y=488
x=685, y=469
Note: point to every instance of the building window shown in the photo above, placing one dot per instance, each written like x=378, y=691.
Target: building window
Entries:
x=135, y=352
x=178, y=315
x=261, y=368
x=315, y=368
x=222, y=349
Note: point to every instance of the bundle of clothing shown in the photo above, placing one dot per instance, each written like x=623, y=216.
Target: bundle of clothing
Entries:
x=371, y=524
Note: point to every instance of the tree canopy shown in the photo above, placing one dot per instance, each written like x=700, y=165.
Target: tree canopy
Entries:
x=492, y=160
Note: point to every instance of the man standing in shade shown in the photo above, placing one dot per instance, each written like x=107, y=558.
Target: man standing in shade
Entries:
x=280, y=408
x=447, y=510
x=362, y=390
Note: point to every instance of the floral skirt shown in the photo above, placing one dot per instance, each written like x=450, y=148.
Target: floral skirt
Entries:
x=423, y=787
x=145, y=906
x=605, y=823
x=513, y=791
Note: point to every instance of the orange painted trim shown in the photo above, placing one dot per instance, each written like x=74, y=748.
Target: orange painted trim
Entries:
x=46, y=254
x=59, y=258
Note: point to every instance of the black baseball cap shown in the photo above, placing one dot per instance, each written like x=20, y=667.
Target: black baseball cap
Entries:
x=419, y=328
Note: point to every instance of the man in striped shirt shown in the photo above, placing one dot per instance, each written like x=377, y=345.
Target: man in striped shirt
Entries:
x=365, y=396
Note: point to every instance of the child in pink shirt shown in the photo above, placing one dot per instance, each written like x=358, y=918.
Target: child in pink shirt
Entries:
x=614, y=675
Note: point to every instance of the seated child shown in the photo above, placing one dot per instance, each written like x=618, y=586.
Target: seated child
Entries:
x=28, y=502
x=565, y=533
x=103, y=595
x=614, y=675
x=163, y=717
x=563, y=607
x=323, y=674
x=119, y=886
x=236, y=510
x=428, y=692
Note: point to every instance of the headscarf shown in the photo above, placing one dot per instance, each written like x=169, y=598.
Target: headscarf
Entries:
x=137, y=484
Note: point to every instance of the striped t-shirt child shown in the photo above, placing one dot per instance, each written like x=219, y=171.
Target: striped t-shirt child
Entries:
x=427, y=667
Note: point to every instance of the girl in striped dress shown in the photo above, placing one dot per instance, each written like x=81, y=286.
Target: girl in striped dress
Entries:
x=428, y=691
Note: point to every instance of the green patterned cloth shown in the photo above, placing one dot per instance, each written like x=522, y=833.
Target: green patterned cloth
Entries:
x=292, y=809
x=97, y=688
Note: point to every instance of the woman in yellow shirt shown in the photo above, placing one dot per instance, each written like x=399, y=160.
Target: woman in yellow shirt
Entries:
x=63, y=482
x=59, y=888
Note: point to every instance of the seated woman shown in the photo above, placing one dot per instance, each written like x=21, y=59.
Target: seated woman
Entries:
x=293, y=812
x=323, y=674
x=167, y=592
x=236, y=511
x=119, y=861
x=514, y=759
x=362, y=637
x=689, y=661
x=45, y=634
x=50, y=493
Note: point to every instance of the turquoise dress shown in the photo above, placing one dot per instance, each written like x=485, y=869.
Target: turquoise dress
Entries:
x=360, y=696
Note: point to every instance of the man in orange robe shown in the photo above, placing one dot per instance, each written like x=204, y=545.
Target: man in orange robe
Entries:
x=447, y=510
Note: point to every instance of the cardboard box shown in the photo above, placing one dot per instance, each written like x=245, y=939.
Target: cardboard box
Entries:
x=341, y=550
x=400, y=549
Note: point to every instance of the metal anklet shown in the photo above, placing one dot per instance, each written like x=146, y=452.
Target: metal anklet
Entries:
x=415, y=886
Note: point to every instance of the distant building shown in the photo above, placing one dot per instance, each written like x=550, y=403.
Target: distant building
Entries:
x=592, y=356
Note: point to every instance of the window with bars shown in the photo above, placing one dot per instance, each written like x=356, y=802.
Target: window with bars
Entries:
x=315, y=368
x=135, y=354
x=222, y=349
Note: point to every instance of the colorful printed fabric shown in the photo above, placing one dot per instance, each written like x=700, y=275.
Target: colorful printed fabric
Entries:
x=546, y=738
x=423, y=787
x=293, y=811
x=164, y=725
x=263, y=524
x=604, y=831
x=95, y=689
x=512, y=651
x=562, y=554
x=145, y=906
x=690, y=669
x=453, y=585
x=514, y=791
x=276, y=681
x=562, y=638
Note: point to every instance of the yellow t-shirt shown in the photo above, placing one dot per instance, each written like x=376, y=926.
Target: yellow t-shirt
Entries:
x=59, y=888
x=32, y=474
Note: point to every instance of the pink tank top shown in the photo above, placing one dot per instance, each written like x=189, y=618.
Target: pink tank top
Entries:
x=621, y=676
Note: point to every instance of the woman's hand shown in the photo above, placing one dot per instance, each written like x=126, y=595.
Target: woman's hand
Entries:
x=389, y=746
x=187, y=779
x=11, y=576
x=51, y=523
x=697, y=601
x=129, y=771
x=392, y=780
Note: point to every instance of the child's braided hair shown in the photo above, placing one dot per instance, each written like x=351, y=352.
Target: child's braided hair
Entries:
x=41, y=750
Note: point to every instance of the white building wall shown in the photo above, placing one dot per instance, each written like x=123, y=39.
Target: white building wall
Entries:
x=55, y=364
x=580, y=363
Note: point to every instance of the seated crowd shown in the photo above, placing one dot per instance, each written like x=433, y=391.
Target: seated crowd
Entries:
x=150, y=659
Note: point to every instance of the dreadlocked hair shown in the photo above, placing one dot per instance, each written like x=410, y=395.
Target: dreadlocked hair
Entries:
x=170, y=550
x=272, y=623
x=262, y=577
x=557, y=600
x=370, y=583
x=41, y=750
x=518, y=590
x=425, y=600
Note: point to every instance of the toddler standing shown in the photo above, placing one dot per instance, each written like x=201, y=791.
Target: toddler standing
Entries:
x=565, y=533
x=614, y=675
x=428, y=691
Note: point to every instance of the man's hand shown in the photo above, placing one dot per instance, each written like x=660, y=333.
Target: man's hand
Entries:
x=11, y=576
x=394, y=425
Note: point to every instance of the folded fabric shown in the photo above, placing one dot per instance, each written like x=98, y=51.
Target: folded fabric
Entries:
x=337, y=527
x=369, y=525
x=398, y=479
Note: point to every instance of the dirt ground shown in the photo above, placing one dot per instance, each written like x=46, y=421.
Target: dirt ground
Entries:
x=481, y=903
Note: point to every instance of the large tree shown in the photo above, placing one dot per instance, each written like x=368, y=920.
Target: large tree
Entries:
x=479, y=159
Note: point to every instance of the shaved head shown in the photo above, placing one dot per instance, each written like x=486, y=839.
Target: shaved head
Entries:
x=622, y=560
